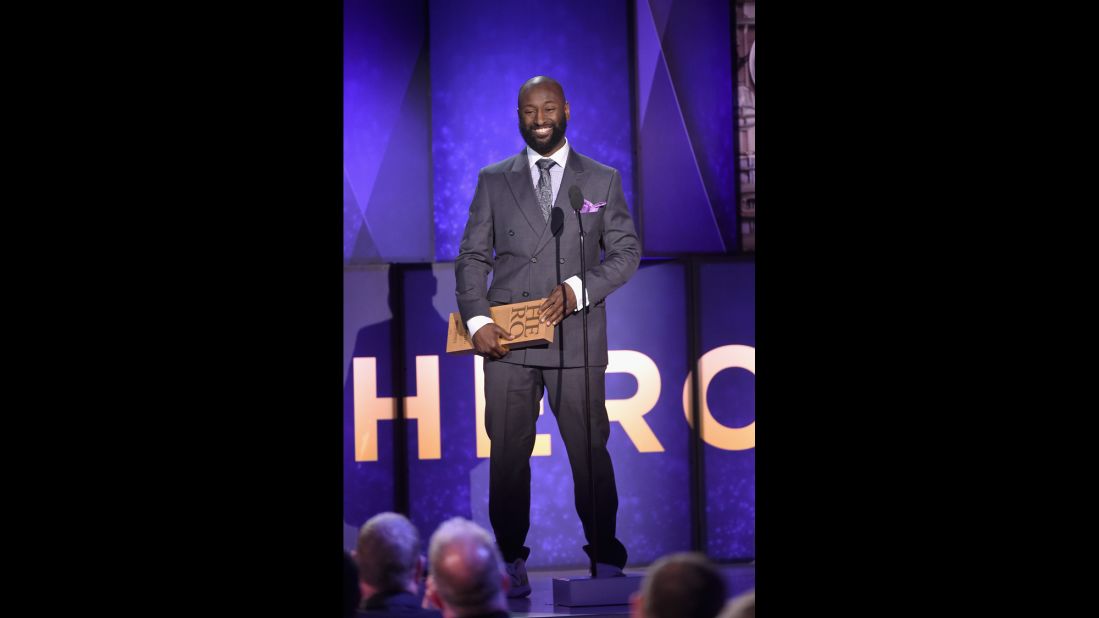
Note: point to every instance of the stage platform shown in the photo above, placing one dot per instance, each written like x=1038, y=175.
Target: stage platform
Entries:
x=738, y=577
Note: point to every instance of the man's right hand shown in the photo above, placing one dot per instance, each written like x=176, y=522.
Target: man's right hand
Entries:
x=486, y=341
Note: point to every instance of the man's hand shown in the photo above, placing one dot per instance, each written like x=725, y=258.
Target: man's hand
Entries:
x=561, y=302
x=486, y=341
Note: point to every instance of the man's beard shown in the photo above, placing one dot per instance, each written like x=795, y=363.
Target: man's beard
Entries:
x=554, y=140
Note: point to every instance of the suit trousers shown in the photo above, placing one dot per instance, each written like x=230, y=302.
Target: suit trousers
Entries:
x=512, y=393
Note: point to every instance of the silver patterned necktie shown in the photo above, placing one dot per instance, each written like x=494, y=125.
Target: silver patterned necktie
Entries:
x=545, y=186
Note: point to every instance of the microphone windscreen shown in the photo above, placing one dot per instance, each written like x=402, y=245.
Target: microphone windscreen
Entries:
x=557, y=221
x=576, y=198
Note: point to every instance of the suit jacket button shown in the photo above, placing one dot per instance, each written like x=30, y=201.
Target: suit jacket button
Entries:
x=562, y=261
x=511, y=232
x=533, y=259
x=525, y=294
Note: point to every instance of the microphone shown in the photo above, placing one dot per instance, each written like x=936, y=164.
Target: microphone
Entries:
x=576, y=198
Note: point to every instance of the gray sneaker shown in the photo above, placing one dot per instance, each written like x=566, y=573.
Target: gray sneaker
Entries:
x=520, y=583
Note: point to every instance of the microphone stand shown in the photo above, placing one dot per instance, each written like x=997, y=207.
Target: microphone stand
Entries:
x=561, y=326
x=587, y=394
x=581, y=591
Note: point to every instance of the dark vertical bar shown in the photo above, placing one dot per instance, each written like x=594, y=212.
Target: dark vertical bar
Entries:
x=736, y=123
x=337, y=245
x=696, y=451
x=426, y=52
x=635, y=122
x=400, y=425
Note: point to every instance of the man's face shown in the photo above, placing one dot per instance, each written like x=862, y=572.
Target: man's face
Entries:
x=543, y=118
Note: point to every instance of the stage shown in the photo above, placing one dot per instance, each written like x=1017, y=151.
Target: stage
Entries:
x=738, y=577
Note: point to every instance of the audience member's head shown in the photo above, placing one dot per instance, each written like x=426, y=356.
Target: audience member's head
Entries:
x=467, y=572
x=685, y=585
x=352, y=594
x=741, y=606
x=388, y=555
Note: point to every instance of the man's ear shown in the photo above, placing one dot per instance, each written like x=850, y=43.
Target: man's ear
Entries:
x=566, y=110
x=505, y=583
x=431, y=596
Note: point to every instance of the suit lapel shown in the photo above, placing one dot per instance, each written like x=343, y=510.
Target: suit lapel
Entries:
x=518, y=178
x=573, y=176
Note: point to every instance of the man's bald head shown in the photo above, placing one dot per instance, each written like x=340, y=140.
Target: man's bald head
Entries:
x=466, y=567
x=541, y=80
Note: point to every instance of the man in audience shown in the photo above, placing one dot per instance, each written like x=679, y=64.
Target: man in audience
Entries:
x=684, y=585
x=468, y=578
x=390, y=567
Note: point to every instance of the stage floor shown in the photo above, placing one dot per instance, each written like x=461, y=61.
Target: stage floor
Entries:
x=738, y=577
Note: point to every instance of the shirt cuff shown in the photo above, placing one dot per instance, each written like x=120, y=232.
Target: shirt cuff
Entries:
x=574, y=283
x=475, y=323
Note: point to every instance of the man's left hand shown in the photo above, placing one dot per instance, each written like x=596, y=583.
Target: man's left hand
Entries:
x=561, y=302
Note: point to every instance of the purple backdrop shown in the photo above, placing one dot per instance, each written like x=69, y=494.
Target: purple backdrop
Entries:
x=387, y=166
x=728, y=323
x=481, y=53
x=686, y=157
x=653, y=486
x=429, y=98
x=430, y=94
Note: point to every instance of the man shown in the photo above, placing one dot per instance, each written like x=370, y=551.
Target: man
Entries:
x=684, y=585
x=467, y=576
x=390, y=566
x=508, y=233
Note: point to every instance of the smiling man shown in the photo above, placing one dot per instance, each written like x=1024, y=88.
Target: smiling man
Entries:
x=508, y=233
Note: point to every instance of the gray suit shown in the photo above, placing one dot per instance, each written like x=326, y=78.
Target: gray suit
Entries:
x=507, y=235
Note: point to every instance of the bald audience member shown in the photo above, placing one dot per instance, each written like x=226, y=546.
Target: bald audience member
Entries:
x=468, y=578
x=684, y=585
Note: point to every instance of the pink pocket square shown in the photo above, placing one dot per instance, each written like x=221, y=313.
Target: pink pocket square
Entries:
x=589, y=207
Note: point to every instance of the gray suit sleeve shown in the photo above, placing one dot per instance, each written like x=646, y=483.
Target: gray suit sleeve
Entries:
x=475, y=256
x=620, y=244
